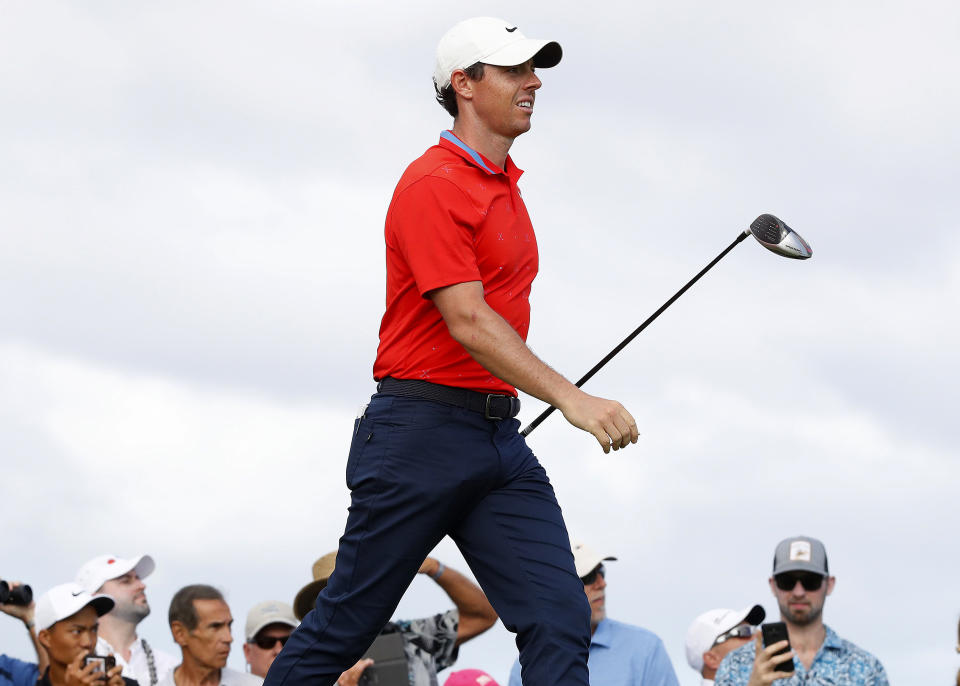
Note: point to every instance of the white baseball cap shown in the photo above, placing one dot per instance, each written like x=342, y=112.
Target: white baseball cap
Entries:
x=586, y=558
x=491, y=41
x=266, y=613
x=709, y=626
x=65, y=601
x=101, y=569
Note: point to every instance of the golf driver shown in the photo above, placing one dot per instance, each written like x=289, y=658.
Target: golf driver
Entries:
x=772, y=233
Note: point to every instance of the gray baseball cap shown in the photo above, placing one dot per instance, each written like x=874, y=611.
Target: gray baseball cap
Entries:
x=800, y=553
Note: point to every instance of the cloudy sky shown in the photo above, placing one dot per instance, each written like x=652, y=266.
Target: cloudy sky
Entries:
x=191, y=206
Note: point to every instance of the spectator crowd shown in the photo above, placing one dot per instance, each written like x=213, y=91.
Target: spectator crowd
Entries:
x=85, y=632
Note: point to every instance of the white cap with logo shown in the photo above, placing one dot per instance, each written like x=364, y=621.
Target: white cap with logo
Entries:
x=708, y=627
x=491, y=41
x=267, y=613
x=65, y=601
x=101, y=569
x=585, y=558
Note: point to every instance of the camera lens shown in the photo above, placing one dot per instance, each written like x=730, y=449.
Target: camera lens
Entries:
x=21, y=595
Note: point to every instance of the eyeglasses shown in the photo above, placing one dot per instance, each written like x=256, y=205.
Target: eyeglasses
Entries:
x=591, y=578
x=809, y=581
x=268, y=642
x=741, y=631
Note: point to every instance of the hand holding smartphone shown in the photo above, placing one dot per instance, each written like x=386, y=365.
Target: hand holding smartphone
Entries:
x=774, y=632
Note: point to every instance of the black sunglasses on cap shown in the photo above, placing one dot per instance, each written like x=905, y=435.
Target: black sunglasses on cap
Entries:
x=740, y=631
x=267, y=642
x=592, y=576
x=809, y=580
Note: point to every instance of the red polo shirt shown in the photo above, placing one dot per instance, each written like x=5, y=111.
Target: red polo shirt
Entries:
x=455, y=217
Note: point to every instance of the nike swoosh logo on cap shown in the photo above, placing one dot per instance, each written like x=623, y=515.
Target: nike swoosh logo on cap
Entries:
x=511, y=30
x=77, y=593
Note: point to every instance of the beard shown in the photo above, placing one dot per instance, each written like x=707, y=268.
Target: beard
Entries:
x=804, y=618
x=131, y=612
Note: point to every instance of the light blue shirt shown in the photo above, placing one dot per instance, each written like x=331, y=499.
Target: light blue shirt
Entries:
x=623, y=655
x=837, y=663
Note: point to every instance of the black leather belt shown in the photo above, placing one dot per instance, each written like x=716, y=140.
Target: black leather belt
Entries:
x=490, y=405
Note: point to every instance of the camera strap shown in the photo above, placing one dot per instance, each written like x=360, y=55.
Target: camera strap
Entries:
x=151, y=663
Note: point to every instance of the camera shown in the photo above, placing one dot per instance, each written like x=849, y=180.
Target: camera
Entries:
x=104, y=663
x=390, y=662
x=21, y=595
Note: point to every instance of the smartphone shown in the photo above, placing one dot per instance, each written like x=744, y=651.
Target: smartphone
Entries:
x=774, y=632
x=104, y=663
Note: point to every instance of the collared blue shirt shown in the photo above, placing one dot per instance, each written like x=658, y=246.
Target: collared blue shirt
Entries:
x=14, y=672
x=623, y=655
x=838, y=663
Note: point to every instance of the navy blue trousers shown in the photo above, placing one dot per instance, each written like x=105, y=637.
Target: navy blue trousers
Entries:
x=418, y=471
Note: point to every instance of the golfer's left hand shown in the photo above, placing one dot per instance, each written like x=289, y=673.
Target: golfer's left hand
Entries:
x=607, y=420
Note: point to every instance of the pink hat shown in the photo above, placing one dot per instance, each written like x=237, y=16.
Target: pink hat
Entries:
x=470, y=677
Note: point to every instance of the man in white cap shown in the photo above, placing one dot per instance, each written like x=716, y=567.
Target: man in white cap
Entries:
x=717, y=632
x=67, y=619
x=801, y=582
x=437, y=451
x=268, y=626
x=620, y=654
x=122, y=579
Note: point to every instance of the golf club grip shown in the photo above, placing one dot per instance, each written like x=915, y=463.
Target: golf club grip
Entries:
x=527, y=430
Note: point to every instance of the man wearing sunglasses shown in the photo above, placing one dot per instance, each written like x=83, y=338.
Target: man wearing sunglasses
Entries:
x=620, y=654
x=716, y=633
x=801, y=582
x=269, y=624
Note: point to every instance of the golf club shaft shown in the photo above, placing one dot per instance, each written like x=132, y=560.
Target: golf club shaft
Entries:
x=597, y=367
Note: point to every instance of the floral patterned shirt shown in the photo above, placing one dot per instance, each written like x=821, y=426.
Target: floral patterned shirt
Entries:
x=430, y=645
x=838, y=663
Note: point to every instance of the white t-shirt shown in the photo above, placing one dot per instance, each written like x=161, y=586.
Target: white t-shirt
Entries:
x=139, y=668
x=228, y=677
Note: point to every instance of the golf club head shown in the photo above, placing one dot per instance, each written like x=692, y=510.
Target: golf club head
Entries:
x=776, y=236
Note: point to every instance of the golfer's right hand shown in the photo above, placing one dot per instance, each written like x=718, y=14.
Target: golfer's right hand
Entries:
x=607, y=420
x=352, y=675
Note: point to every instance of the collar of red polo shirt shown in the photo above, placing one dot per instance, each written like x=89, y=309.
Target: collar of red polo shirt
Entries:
x=449, y=141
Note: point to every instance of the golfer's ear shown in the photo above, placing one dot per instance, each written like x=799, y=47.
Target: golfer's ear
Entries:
x=462, y=85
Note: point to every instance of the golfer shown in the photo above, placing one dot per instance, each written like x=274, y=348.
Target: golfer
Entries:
x=437, y=451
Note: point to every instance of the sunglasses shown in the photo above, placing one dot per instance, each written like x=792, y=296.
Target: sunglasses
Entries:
x=591, y=578
x=742, y=631
x=268, y=642
x=809, y=581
